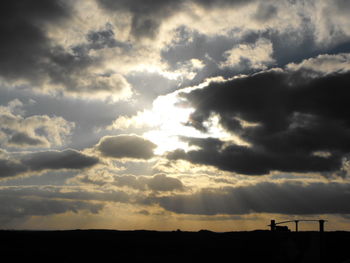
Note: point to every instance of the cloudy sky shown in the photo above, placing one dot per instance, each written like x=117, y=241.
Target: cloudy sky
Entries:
x=167, y=114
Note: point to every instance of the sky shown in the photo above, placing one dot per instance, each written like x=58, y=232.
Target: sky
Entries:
x=174, y=114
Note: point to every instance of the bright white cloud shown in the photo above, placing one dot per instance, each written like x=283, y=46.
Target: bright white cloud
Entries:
x=258, y=55
x=326, y=64
x=38, y=131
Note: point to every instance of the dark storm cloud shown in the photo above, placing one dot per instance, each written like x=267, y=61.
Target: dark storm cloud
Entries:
x=299, y=122
x=126, y=146
x=283, y=198
x=47, y=160
x=148, y=15
x=23, y=38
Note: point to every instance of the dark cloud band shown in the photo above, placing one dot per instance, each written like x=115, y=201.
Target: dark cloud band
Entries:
x=126, y=146
x=285, y=198
x=295, y=121
x=47, y=160
x=147, y=16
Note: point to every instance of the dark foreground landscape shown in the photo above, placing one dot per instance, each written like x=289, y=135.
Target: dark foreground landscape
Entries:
x=177, y=246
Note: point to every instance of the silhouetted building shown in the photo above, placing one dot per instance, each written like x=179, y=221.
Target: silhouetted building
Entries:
x=282, y=229
x=274, y=226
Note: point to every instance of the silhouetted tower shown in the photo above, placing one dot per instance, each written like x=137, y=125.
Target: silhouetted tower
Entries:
x=321, y=225
x=273, y=225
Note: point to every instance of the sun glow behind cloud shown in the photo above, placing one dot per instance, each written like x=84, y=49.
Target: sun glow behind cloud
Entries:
x=167, y=122
x=168, y=119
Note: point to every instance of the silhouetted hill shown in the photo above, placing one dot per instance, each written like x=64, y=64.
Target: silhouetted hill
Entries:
x=175, y=246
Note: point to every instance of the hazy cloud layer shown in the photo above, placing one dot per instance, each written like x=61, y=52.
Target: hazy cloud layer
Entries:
x=20, y=203
x=285, y=198
x=23, y=208
x=158, y=182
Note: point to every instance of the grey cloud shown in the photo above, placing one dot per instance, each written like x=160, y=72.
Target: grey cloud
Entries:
x=32, y=130
x=22, y=208
x=296, y=114
x=342, y=5
x=21, y=139
x=147, y=16
x=284, y=198
x=24, y=41
x=68, y=193
x=85, y=115
x=104, y=38
x=100, y=39
x=162, y=182
x=265, y=12
x=158, y=182
x=221, y=3
x=70, y=71
x=144, y=26
x=13, y=165
x=143, y=212
x=9, y=168
x=149, y=86
x=126, y=146
x=130, y=181
x=210, y=50
x=292, y=45
x=62, y=66
x=192, y=44
x=67, y=159
x=30, y=55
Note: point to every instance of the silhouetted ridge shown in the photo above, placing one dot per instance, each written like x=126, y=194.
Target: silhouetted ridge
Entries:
x=174, y=246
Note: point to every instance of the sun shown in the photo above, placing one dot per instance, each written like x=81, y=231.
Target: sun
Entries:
x=168, y=120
